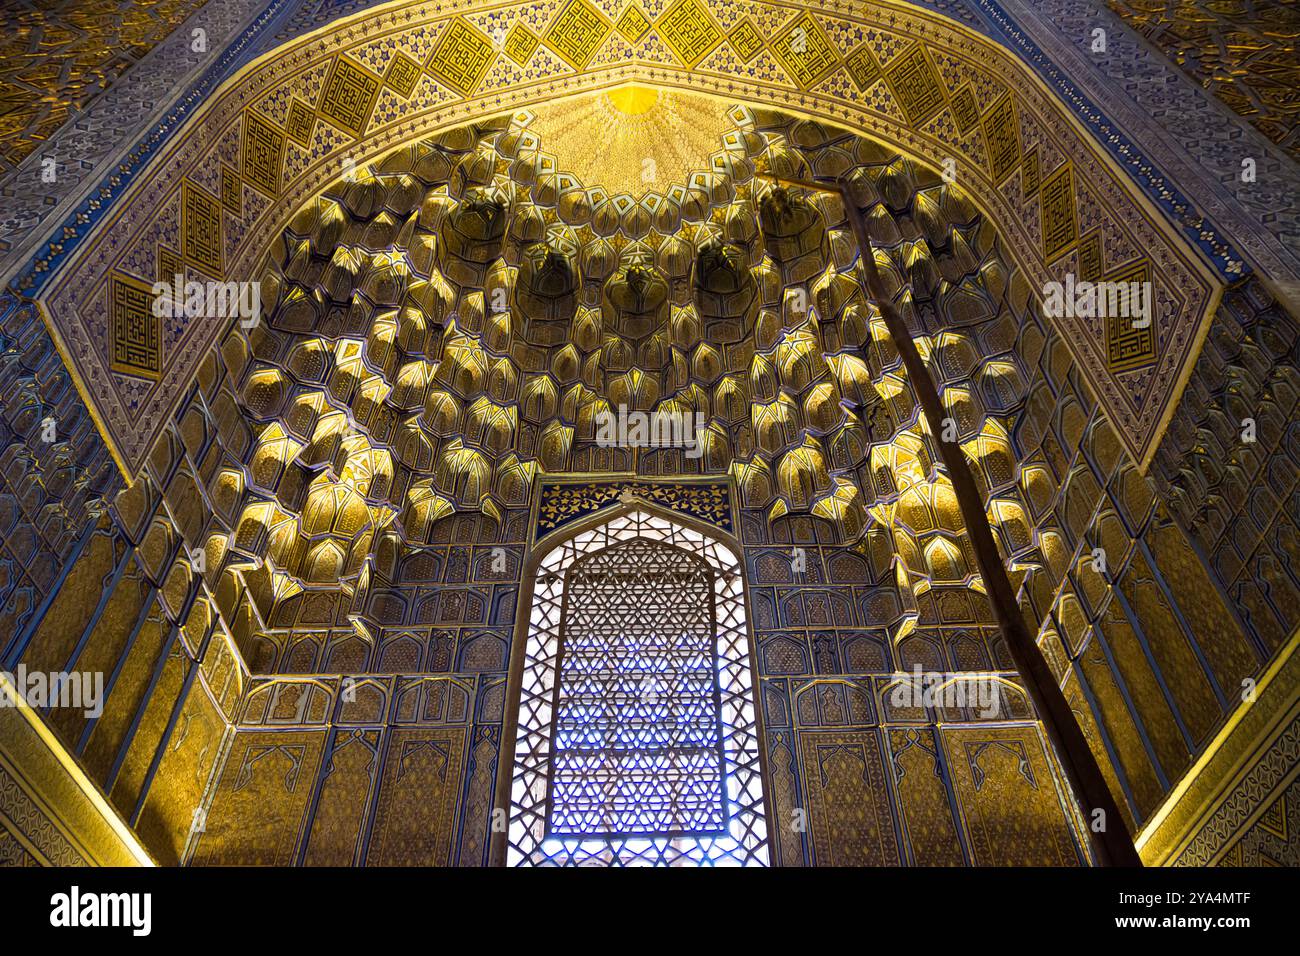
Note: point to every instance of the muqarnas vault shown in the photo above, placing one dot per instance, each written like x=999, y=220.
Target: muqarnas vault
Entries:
x=373, y=574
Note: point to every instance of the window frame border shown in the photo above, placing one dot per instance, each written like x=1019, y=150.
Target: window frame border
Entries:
x=541, y=548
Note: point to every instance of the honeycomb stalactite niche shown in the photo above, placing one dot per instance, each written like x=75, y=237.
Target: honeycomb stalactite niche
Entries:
x=463, y=316
x=353, y=526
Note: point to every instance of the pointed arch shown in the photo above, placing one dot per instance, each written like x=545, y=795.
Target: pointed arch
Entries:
x=532, y=836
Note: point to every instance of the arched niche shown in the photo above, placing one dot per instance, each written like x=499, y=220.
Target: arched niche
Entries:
x=528, y=776
x=290, y=122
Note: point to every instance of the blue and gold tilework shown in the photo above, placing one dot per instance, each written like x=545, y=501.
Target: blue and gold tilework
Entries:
x=355, y=90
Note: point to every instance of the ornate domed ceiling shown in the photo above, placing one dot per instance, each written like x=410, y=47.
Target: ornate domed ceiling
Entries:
x=632, y=138
x=481, y=230
x=278, y=132
x=454, y=320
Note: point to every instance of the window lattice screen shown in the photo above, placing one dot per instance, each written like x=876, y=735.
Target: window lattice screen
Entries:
x=638, y=744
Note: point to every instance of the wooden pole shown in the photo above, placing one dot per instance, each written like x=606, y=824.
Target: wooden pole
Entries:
x=1112, y=846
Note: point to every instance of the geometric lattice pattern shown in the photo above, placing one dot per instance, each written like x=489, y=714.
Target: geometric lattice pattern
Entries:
x=538, y=736
x=632, y=24
x=1001, y=135
x=349, y=96
x=688, y=31
x=231, y=191
x=1091, y=264
x=462, y=57
x=301, y=122
x=862, y=68
x=1129, y=347
x=576, y=33
x=520, y=43
x=805, y=51
x=1060, y=221
x=964, y=109
x=746, y=41
x=135, y=328
x=637, y=749
x=916, y=85
x=403, y=73
x=263, y=153
x=565, y=502
x=1031, y=173
x=201, y=228
x=170, y=264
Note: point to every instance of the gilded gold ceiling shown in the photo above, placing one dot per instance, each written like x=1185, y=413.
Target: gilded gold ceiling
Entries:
x=458, y=319
x=446, y=327
x=288, y=124
x=1245, y=52
x=55, y=57
x=633, y=139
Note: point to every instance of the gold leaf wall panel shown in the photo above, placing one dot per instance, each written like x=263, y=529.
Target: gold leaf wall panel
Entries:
x=1010, y=799
x=346, y=791
x=266, y=782
x=149, y=734
x=924, y=811
x=191, y=754
x=418, y=796
x=1193, y=590
x=1246, y=54
x=849, y=816
x=67, y=617
x=127, y=692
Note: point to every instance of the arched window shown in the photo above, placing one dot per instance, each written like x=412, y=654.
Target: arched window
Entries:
x=637, y=740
